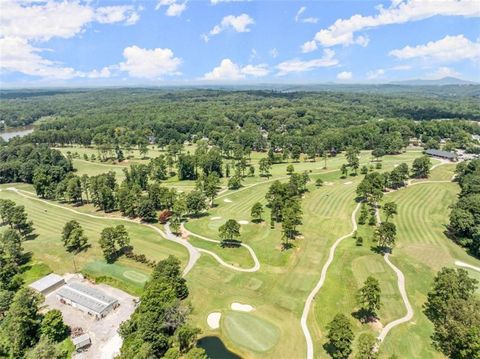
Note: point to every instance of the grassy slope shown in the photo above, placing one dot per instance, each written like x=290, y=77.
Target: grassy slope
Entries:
x=422, y=249
x=279, y=289
x=48, y=249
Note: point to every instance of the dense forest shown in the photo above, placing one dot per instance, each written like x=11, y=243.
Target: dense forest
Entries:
x=310, y=122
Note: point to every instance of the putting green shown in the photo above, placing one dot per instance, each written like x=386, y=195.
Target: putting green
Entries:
x=250, y=331
x=135, y=276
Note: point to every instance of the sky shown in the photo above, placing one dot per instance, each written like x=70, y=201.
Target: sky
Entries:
x=187, y=42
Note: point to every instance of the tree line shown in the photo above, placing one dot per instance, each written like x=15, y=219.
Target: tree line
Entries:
x=464, y=227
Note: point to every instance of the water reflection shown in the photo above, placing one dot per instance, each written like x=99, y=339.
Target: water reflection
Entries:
x=20, y=131
x=216, y=349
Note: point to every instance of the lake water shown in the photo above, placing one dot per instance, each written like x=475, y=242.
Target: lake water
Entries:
x=20, y=131
x=216, y=349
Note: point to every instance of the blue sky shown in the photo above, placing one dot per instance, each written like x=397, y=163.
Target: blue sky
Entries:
x=167, y=42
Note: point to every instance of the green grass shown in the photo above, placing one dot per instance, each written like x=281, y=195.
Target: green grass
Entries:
x=48, y=249
x=33, y=271
x=279, y=289
x=250, y=331
x=422, y=250
x=118, y=274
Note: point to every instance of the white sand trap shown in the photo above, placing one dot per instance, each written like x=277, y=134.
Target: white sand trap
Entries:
x=395, y=165
x=241, y=307
x=347, y=183
x=215, y=218
x=227, y=200
x=243, y=222
x=328, y=183
x=213, y=320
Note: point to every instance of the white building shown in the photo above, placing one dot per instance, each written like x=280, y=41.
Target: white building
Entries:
x=48, y=283
x=89, y=300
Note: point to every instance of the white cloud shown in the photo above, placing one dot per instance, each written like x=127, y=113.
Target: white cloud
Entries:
x=24, y=22
x=103, y=73
x=255, y=70
x=238, y=23
x=44, y=20
x=174, y=8
x=296, y=65
x=17, y=55
x=442, y=72
x=146, y=63
x=309, y=46
x=300, y=12
x=274, y=53
x=375, y=74
x=342, y=32
x=448, y=49
x=344, y=75
x=230, y=71
x=113, y=14
x=308, y=20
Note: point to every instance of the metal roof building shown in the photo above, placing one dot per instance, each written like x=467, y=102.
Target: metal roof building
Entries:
x=441, y=154
x=90, y=300
x=48, y=283
x=81, y=341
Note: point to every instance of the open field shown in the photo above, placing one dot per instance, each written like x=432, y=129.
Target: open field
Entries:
x=422, y=249
x=326, y=216
x=279, y=289
x=48, y=249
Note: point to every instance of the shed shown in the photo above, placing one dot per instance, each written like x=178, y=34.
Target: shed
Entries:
x=88, y=299
x=48, y=283
x=81, y=341
x=442, y=154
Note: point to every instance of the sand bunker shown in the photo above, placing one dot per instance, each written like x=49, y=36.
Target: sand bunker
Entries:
x=213, y=320
x=243, y=222
x=347, y=183
x=227, y=200
x=328, y=183
x=215, y=218
x=241, y=307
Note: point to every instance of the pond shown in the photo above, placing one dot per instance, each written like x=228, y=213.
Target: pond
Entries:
x=216, y=349
x=17, y=131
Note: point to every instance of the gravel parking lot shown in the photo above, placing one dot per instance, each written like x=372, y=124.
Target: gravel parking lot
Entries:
x=106, y=342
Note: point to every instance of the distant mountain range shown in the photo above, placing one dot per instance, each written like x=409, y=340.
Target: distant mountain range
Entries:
x=439, y=82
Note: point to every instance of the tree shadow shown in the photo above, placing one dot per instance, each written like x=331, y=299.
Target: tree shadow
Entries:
x=199, y=215
x=31, y=236
x=257, y=220
x=329, y=348
x=364, y=316
x=287, y=246
x=230, y=243
x=80, y=249
x=381, y=250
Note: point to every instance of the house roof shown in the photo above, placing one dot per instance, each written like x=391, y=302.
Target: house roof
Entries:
x=47, y=282
x=81, y=339
x=440, y=153
x=90, y=298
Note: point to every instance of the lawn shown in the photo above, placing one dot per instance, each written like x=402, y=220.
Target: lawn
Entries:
x=48, y=249
x=279, y=289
